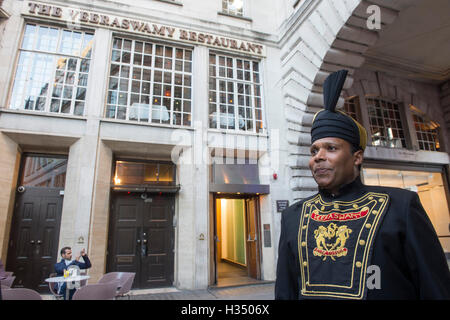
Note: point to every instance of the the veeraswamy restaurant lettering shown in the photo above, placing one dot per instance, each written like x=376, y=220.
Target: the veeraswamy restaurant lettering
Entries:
x=74, y=17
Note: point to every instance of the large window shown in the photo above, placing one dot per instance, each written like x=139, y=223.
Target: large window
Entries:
x=385, y=123
x=150, y=83
x=143, y=173
x=233, y=7
x=427, y=131
x=52, y=72
x=43, y=171
x=235, y=94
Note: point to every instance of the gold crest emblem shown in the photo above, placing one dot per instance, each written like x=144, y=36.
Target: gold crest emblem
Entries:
x=336, y=249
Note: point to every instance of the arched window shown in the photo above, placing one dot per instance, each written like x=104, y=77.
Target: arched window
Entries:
x=427, y=131
x=386, y=126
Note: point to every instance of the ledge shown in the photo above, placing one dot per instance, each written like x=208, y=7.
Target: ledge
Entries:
x=177, y=3
x=146, y=188
x=4, y=14
x=42, y=114
x=220, y=13
x=240, y=188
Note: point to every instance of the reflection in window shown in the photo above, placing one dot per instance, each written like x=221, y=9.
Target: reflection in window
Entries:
x=150, y=83
x=385, y=123
x=428, y=185
x=52, y=71
x=234, y=94
x=139, y=173
x=44, y=172
x=427, y=131
x=234, y=7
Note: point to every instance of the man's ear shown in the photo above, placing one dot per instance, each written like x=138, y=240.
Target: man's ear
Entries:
x=358, y=157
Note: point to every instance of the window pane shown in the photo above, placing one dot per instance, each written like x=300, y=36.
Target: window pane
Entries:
x=234, y=89
x=151, y=80
x=40, y=75
x=234, y=7
x=384, y=117
x=44, y=172
x=141, y=173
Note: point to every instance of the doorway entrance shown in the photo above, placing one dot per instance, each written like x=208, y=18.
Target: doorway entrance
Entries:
x=33, y=245
x=237, y=241
x=141, y=238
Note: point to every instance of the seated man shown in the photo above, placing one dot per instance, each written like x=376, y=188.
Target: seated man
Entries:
x=66, y=261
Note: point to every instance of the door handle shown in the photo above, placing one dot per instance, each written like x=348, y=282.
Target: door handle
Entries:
x=32, y=241
x=138, y=240
x=144, y=241
x=39, y=242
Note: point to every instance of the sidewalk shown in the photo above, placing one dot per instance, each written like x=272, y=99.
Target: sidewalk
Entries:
x=248, y=292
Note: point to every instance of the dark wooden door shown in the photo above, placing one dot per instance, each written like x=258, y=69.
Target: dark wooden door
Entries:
x=142, y=238
x=34, y=236
x=253, y=238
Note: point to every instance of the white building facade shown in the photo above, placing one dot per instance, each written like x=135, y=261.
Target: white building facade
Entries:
x=165, y=137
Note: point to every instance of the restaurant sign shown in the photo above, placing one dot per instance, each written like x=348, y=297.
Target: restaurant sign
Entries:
x=77, y=17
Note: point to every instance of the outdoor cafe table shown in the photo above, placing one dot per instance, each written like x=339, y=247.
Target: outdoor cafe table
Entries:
x=67, y=279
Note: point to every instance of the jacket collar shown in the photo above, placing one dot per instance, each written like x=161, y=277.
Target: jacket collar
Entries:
x=346, y=192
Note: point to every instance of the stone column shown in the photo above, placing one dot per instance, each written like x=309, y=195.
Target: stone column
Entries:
x=201, y=168
x=98, y=235
x=9, y=169
x=82, y=163
x=185, y=232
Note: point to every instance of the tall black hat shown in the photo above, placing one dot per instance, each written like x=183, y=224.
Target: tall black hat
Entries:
x=334, y=123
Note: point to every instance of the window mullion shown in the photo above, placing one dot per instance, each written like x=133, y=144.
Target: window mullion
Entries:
x=172, y=84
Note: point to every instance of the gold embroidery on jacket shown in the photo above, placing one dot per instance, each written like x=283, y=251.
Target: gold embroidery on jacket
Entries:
x=331, y=250
x=338, y=230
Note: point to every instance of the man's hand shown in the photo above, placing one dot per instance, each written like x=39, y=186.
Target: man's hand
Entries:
x=83, y=252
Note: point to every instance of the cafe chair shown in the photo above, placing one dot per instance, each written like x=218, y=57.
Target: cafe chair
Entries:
x=20, y=294
x=99, y=291
x=9, y=273
x=52, y=287
x=126, y=282
x=8, y=281
x=124, y=279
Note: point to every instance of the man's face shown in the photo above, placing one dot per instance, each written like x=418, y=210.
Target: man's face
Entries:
x=67, y=255
x=332, y=163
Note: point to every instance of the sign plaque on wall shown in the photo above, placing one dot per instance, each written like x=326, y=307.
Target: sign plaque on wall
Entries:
x=282, y=204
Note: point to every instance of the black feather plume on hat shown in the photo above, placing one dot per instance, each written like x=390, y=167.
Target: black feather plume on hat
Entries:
x=332, y=89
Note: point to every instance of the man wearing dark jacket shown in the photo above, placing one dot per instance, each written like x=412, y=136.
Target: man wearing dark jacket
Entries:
x=65, y=263
x=351, y=241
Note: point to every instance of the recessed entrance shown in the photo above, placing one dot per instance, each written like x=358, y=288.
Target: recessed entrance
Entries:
x=33, y=245
x=237, y=241
x=141, y=238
